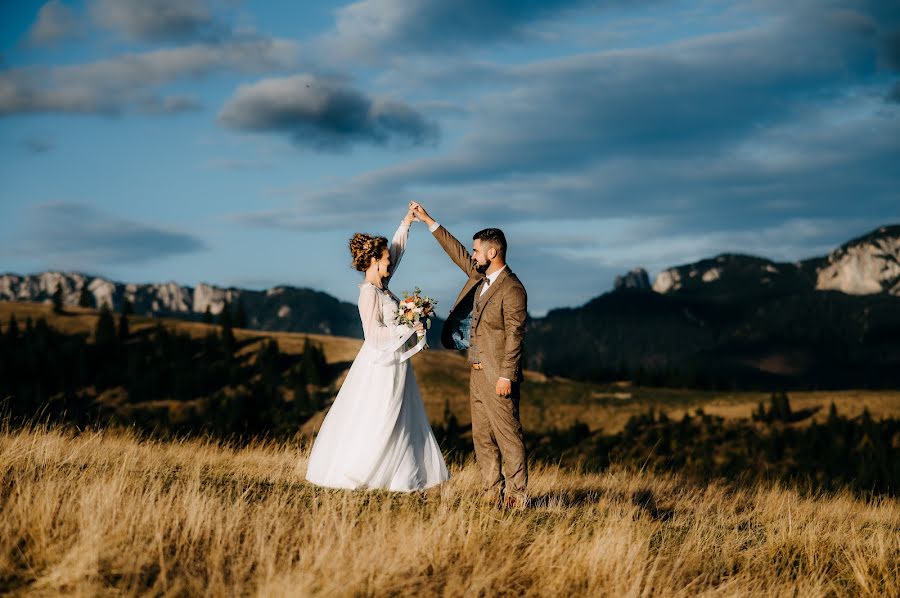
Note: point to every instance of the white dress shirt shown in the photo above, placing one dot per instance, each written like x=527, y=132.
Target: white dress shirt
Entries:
x=490, y=278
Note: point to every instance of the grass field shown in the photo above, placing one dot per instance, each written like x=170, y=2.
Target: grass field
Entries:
x=108, y=513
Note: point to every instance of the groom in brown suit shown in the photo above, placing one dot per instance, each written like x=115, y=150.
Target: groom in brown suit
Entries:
x=488, y=321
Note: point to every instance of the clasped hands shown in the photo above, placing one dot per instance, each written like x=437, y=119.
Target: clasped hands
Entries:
x=418, y=214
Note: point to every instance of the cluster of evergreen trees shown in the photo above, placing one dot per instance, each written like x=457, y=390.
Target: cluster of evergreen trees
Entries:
x=57, y=376
x=860, y=453
x=685, y=340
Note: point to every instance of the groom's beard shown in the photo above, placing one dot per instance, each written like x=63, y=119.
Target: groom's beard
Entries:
x=482, y=269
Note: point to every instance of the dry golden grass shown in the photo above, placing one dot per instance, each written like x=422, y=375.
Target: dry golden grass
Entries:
x=106, y=513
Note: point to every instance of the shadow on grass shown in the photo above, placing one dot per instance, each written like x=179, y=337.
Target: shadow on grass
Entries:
x=647, y=502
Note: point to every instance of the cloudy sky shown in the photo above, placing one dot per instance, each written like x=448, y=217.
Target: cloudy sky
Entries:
x=242, y=143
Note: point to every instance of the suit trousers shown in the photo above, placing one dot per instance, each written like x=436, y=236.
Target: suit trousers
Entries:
x=498, y=438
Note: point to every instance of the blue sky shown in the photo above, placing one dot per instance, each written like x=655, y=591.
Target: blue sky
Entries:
x=242, y=143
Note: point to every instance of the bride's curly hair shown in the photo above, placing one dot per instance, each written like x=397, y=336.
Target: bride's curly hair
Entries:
x=364, y=248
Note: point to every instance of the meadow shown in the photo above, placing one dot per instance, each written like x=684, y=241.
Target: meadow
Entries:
x=109, y=510
x=106, y=512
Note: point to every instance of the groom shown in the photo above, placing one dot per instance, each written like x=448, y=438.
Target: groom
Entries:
x=488, y=321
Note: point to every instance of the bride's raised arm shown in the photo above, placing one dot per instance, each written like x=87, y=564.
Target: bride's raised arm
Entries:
x=398, y=243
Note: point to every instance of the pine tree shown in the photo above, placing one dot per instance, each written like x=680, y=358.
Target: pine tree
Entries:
x=833, y=418
x=759, y=414
x=212, y=346
x=225, y=316
x=240, y=314
x=267, y=362
x=302, y=404
x=207, y=316
x=105, y=332
x=781, y=407
x=12, y=331
x=313, y=364
x=229, y=343
x=84, y=298
x=58, y=300
x=125, y=311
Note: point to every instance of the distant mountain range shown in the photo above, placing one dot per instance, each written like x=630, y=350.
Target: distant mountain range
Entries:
x=281, y=308
x=742, y=321
x=730, y=319
x=867, y=265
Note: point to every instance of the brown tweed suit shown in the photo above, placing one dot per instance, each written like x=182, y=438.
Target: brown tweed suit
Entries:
x=498, y=330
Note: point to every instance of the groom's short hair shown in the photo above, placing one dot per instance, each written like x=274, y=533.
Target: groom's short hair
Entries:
x=495, y=237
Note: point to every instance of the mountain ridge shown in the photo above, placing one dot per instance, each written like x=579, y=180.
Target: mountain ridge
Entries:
x=865, y=265
x=856, y=267
x=733, y=319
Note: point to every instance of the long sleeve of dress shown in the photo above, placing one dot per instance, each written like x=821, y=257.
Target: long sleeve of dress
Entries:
x=386, y=337
x=397, y=248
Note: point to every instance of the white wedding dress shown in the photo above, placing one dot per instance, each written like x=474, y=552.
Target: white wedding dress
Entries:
x=376, y=434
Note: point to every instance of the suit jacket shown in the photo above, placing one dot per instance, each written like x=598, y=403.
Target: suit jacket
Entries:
x=498, y=317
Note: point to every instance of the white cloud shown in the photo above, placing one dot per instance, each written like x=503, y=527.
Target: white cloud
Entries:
x=55, y=22
x=157, y=20
x=132, y=81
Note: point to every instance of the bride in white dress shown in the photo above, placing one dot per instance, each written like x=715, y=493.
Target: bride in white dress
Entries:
x=376, y=434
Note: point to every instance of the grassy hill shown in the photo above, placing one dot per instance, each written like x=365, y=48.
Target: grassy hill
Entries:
x=108, y=513
x=548, y=403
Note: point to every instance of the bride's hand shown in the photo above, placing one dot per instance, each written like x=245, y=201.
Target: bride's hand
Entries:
x=419, y=328
x=410, y=217
x=420, y=213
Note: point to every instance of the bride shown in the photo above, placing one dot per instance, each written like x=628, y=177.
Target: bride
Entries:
x=376, y=434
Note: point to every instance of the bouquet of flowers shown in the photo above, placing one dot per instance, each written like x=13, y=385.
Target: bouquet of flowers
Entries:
x=415, y=308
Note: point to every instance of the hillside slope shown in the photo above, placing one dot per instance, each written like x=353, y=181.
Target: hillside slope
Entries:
x=548, y=403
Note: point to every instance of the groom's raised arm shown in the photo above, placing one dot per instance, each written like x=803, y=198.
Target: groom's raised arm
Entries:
x=456, y=250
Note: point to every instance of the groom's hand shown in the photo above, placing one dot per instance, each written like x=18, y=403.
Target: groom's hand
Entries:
x=504, y=387
x=420, y=213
